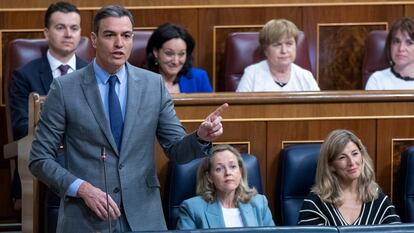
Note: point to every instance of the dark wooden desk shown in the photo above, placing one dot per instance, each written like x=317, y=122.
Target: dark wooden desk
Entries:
x=263, y=123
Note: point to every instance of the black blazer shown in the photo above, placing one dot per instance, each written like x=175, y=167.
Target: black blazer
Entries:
x=35, y=76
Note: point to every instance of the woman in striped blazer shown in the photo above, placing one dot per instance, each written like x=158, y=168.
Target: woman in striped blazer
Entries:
x=345, y=191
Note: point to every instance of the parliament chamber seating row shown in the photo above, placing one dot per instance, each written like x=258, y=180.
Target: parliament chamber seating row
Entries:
x=242, y=49
x=298, y=157
x=293, y=185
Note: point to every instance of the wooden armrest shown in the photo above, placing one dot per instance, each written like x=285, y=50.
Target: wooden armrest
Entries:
x=10, y=150
x=30, y=185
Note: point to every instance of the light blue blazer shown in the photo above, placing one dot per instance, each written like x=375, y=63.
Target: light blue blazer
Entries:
x=196, y=213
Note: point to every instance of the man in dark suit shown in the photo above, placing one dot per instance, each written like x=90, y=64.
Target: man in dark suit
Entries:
x=118, y=107
x=63, y=32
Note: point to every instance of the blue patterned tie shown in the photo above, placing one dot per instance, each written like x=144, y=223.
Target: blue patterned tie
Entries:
x=115, y=113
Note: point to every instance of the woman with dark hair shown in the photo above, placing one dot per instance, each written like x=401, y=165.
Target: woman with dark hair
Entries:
x=345, y=191
x=399, y=49
x=169, y=53
x=224, y=197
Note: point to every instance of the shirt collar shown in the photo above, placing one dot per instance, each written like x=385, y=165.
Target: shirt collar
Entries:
x=55, y=63
x=103, y=76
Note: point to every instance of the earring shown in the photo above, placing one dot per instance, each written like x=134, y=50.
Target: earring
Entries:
x=156, y=62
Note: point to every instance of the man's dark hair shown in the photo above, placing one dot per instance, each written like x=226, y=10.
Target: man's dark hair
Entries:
x=63, y=7
x=110, y=11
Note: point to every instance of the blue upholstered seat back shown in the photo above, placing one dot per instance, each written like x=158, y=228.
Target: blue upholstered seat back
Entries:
x=182, y=184
x=296, y=177
x=405, y=195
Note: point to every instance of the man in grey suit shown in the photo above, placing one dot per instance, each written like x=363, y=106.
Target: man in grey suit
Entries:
x=113, y=105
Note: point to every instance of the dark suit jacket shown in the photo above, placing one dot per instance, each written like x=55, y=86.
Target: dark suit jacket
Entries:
x=73, y=112
x=35, y=76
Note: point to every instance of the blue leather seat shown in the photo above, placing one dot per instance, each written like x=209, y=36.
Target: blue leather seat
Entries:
x=405, y=194
x=182, y=182
x=296, y=177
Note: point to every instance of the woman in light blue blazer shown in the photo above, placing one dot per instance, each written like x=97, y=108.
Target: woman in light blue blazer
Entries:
x=224, y=198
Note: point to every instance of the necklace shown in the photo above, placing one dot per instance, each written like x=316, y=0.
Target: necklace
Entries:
x=398, y=75
x=280, y=83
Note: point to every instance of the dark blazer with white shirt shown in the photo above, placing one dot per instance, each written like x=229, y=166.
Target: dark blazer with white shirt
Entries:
x=35, y=76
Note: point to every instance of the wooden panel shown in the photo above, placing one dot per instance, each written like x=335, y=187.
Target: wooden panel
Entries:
x=186, y=3
x=390, y=130
x=343, y=14
x=408, y=10
x=341, y=51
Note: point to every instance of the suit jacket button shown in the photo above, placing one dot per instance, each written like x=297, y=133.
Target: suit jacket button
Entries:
x=120, y=166
x=116, y=190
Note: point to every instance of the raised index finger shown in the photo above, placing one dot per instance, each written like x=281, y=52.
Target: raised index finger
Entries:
x=218, y=111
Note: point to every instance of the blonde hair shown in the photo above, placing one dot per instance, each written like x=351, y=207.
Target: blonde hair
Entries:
x=326, y=181
x=275, y=29
x=207, y=189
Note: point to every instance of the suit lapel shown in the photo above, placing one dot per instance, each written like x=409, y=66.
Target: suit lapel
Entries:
x=45, y=74
x=247, y=214
x=93, y=97
x=214, y=215
x=134, y=86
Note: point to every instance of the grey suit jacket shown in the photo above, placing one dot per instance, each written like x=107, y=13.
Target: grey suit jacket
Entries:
x=73, y=111
x=196, y=213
